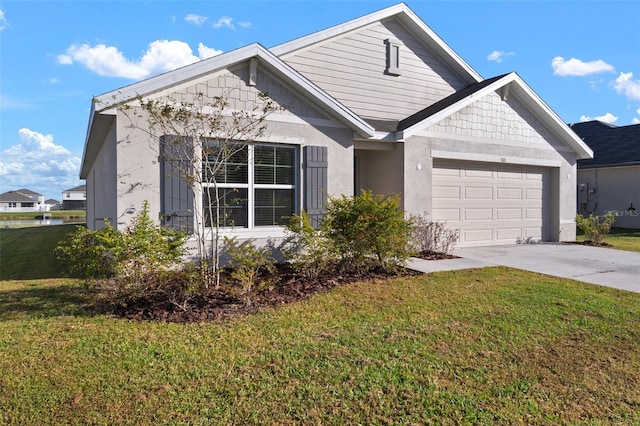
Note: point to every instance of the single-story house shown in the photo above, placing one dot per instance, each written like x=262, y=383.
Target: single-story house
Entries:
x=75, y=198
x=22, y=200
x=378, y=103
x=610, y=181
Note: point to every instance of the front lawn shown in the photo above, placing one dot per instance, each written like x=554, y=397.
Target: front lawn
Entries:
x=620, y=238
x=27, y=253
x=486, y=346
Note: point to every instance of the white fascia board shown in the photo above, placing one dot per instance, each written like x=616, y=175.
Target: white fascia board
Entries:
x=410, y=131
x=319, y=36
x=528, y=96
x=549, y=117
x=107, y=101
x=405, y=14
x=178, y=76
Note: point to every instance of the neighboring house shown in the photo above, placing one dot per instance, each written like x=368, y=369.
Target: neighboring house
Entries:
x=53, y=204
x=75, y=198
x=22, y=200
x=378, y=103
x=610, y=181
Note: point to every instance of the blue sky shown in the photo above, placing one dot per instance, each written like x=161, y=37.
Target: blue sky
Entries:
x=581, y=57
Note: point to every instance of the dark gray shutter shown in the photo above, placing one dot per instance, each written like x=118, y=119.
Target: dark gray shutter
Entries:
x=176, y=209
x=315, y=182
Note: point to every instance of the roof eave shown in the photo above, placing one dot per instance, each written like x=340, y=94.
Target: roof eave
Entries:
x=544, y=113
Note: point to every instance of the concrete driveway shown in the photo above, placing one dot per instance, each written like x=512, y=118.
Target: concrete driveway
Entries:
x=602, y=266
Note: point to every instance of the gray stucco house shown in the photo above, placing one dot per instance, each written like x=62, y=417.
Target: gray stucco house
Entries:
x=610, y=181
x=378, y=103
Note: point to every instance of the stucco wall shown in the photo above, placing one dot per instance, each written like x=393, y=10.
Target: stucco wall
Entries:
x=295, y=122
x=616, y=189
x=101, y=185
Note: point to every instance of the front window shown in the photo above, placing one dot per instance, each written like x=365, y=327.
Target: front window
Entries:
x=256, y=186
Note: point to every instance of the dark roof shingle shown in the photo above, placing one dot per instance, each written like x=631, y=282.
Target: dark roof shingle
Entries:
x=611, y=145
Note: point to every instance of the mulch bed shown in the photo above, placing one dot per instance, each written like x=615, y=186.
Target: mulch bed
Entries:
x=223, y=303
x=589, y=243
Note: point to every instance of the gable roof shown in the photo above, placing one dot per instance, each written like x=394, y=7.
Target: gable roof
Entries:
x=27, y=192
x=404, y=15
x=81, y=188
x=611, y=145
x=508, y=83
x=102, y=111
x=15, y=197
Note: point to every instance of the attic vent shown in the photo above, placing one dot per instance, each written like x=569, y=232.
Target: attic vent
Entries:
x=393, y=57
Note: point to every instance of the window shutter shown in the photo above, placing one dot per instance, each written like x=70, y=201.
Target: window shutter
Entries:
x=315, y=182
x=177, y=207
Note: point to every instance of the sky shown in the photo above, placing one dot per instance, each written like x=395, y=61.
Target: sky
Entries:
x=581, y=57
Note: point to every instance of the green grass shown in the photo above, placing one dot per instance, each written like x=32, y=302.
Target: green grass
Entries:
x=486, y=346
x=27, y=253
x=620, y=238
x=75, y=215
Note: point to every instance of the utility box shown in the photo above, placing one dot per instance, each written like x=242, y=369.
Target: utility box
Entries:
x=583, y=192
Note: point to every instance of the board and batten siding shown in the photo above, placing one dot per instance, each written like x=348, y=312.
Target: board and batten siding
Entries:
x=351, y=68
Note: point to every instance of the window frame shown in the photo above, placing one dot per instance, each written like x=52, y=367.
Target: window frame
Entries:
x=251, y=186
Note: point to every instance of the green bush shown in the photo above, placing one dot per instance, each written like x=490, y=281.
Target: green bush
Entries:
x=368, y=231
x=251, y=267
x=142, y=248
x=306, y=248
x=595, y=227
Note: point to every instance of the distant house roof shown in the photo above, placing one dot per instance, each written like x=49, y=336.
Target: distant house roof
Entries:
x=27, y=192
x=15, y=197
x=81, y=188
x=612, y=145
x=52, y=202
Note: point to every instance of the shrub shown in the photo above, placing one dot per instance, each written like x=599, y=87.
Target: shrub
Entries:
x=595, y=227
x=142, y=248
x=433, y=237
x=368, y=230
x=306, y=248
x=251, y=266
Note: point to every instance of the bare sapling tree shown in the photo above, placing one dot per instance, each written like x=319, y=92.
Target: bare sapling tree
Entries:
x=201, y=141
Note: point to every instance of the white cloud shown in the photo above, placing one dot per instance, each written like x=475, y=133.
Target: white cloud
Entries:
x=198, y=20
x=225, y=21
x=607, y=118
x=38, y=162
x=207, y=52
x=576, y=67
x=3, y=21
x=245, y=24
x=161, y=56
x=498, y=55
x=625, y=84
x=635, y=120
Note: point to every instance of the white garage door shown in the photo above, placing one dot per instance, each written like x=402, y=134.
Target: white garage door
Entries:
x=491, y=203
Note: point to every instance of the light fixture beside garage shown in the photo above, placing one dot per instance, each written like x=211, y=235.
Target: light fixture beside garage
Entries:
x=419, y=166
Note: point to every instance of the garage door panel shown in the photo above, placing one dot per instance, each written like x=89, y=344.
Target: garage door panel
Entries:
x=478, y=235
x=446, y=192
x=490, y=203
x=478, y=214
x=509, y=193
x=509, y=214
x=478, y=193
x=478, y=173
x=510, y=234
x=449, y=215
